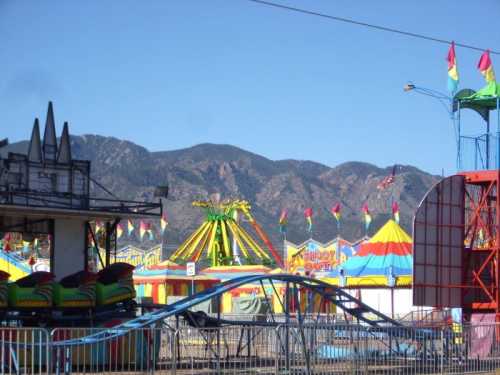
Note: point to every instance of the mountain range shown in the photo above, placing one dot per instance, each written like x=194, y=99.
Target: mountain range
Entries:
x=132, y=172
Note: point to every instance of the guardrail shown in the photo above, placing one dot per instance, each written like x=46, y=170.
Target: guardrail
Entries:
x=78, y=202
x=309, y=348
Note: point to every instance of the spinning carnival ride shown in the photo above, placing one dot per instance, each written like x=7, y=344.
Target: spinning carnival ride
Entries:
x=221, y=236
x=49, y=193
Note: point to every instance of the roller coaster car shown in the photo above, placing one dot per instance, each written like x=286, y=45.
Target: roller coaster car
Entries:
x=4, y=290
x=82, y=297
x=76, y=291
x=32, y=291
x=115, y=284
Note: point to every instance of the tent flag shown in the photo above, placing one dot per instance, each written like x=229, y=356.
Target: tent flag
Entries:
x=130, y=227
x=91, y=241
x=486, y=67
x=283, y=221
x=367, y=216
x=308, y=212
x=119, y=230
x=452, y=69
x=143, y=228
x=395, y=211
x=163, y=222
x=336, y=213
x=98, y=226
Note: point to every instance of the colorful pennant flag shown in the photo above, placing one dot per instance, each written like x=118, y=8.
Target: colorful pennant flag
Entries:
x=367, y=216
x=395, y=211
x=130, y=227
x=486, y=67
x=336, y=213
x=308, y=213
x=283, y=221
x=143, y=228
x=146, y=228
x=91, y=241
x=452, y=69
x=98, y=226
x=163, y=222
x=119, y=230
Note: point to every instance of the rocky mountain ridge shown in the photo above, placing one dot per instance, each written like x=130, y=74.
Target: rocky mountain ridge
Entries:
x=132, y=172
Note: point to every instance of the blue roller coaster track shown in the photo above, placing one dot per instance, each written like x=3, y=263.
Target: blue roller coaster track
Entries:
x=365, y=315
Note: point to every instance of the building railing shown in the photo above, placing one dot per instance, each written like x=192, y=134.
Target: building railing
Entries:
x=253, y=349
x=478, y=152
x=77, y=202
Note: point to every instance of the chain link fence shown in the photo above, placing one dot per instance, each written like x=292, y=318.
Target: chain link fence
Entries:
x=307, y=348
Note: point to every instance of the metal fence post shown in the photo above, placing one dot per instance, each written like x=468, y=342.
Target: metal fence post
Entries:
x=58, y=361
x=67, y=361
x=442, y=351
x=174, y=337
x=277, y=350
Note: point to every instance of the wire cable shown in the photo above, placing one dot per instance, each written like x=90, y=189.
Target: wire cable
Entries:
x=369, y=25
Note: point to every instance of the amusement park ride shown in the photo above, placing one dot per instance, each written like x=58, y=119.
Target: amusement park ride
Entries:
x=48, y=193
x=220, y=235
x=457, y=225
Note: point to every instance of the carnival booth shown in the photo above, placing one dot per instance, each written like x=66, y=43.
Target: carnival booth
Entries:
x=381, y=271
x=318, y=259
x=167, y=281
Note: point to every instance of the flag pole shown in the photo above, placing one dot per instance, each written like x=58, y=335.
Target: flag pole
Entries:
x=285, y=256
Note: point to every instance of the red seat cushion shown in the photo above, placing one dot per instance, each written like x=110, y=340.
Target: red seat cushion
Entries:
x=79, y=278
x=114, y=272
x=34, y=279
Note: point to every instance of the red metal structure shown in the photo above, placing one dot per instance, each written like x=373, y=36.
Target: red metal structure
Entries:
x=456, y=233
x=456, y=244
x=482, y=240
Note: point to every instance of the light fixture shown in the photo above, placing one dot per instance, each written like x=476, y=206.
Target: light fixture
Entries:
x=409, y=87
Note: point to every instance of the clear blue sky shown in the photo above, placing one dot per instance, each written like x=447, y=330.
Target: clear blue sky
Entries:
x=169, y=74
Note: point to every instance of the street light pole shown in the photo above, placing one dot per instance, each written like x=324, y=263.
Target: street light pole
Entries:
x=447, y=103
x=445, y=100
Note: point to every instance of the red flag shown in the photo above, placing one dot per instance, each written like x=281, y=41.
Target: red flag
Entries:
x=486, y=67
x=336, y=211
x=367, y=216
x=395, y=211
x=308, y=212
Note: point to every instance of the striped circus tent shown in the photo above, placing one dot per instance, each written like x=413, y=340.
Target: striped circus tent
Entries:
x=167, y=280
x=388, y=254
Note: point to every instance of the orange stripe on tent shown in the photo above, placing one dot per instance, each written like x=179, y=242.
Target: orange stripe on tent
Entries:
x=385, y=248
